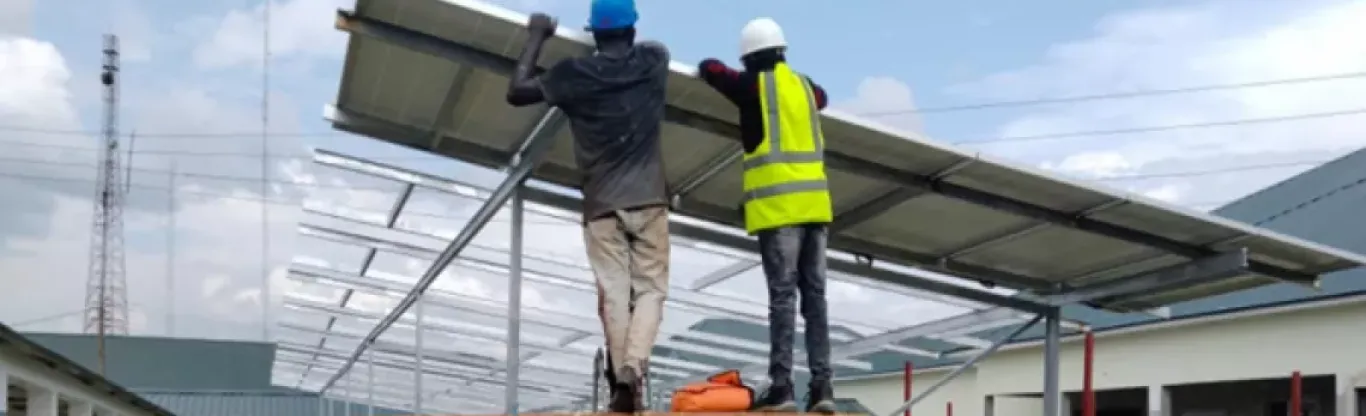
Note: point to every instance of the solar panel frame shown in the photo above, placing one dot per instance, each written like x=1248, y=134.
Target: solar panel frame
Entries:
x=1077, y=233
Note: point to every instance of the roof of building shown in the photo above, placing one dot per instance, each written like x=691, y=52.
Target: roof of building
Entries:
x=141, y=362
x=195, y=377
x=280, y=402
x=39, y=353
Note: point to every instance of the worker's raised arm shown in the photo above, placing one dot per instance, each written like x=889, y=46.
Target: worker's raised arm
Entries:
x=821, y=99
x=524, y=87
x=720, y=77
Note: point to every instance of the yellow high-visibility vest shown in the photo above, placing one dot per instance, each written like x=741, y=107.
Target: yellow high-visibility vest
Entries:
x=785, y=175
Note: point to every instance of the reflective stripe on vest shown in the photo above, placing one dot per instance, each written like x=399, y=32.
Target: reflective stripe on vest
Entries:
x=774, y=130
x=786, y=185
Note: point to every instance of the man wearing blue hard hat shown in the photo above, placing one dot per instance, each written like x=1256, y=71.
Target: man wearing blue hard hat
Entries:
x=614, y=100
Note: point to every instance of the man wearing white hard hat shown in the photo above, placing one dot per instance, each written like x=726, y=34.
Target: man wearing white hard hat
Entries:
x=787, y=204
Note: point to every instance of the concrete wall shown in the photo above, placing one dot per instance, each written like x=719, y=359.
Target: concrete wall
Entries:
x=1326, y=340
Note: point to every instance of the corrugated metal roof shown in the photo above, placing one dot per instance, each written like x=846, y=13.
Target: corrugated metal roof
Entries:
x=263, y=403
x=145, y=363
x=42, y=355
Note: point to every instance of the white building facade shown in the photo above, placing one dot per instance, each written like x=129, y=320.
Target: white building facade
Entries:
x=1322, y=339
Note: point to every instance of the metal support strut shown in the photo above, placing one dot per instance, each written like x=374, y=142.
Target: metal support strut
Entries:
x=514, y=336
x=540, y=143
x=1052, y=396
x=966, y=365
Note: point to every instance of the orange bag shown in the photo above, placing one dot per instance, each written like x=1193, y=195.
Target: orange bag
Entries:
x=723, y=392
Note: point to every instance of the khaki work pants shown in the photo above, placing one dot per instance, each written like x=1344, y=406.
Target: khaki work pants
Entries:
x=629, y=253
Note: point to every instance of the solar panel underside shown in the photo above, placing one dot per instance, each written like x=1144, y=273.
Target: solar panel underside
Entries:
x=401, y=86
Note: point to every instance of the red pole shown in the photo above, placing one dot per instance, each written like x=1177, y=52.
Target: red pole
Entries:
x=906, y=385
x=1088, y=393
x=1296, y=385
x=948, y=409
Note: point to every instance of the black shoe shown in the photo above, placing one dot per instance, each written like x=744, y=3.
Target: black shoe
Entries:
x=821, y=399
x=777, y=398
x=626, y=397
x=621, y=400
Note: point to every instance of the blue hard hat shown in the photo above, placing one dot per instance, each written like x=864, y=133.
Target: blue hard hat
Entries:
x=611, y=14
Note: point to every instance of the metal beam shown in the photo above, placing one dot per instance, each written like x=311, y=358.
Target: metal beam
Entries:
x=543, y=140
x=391, y=347
x=1195, y=272
x=698, y=302
x=706, y=172
x=1052, y=392
x=735, y=268
x=396, y=387
x=874, y=343
x=698, y=233
x=450, y=366
x=473, y=379
x=392, y=218
x=443, y=299
x=868, y=210
x=513, y=357
x=964, y=366
x=555, y=319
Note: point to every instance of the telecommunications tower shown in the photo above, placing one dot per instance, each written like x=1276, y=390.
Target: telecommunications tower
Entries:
x=106, y=298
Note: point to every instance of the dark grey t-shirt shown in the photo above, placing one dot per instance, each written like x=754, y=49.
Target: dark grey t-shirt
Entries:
x=615, y=107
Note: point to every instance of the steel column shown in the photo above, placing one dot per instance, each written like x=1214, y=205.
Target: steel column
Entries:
x=514, y=337
x=966, y=365
x=1052, y=396
x=348, y=387
x=4, y=389
x=417, y=367
x=1088, y=392
x=542, y=139
x=370, y=383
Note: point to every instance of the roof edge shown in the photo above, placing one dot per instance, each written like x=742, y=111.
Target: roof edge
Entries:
x=83, y=375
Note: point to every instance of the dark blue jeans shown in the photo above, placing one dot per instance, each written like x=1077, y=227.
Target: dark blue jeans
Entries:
x=794, y=263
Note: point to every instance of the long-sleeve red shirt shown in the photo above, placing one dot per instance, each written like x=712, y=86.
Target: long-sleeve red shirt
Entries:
x=742, y=88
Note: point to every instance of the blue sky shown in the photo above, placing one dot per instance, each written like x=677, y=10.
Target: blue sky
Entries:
x=193, y=67
x=930, y=45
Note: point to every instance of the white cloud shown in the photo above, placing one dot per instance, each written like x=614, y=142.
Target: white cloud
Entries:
x=135, y=30
x=35, y=89
x=16, y=17
x=884, y=100
x=1192, y=45
x=299, y=28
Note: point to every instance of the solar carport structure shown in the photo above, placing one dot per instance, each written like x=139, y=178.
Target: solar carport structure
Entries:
x=916, y=222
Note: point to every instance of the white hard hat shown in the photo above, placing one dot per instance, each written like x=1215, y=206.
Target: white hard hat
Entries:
x=760, y=34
